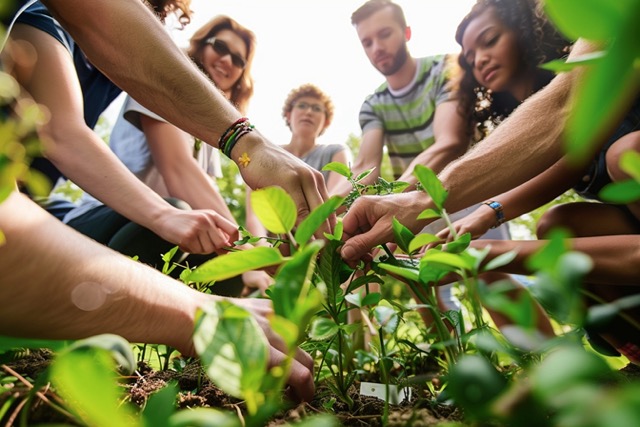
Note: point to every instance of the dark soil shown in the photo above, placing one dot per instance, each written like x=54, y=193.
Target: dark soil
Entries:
x=197, y=391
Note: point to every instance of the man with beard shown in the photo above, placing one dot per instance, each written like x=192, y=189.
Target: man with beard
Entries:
x=413, y=112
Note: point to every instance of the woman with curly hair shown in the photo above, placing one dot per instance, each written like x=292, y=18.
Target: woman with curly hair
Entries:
x=501, y=64
x=171, y=162
x=497, y=61
x=307, y=112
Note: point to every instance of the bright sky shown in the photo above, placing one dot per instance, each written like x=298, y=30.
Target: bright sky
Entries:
x=313, y=41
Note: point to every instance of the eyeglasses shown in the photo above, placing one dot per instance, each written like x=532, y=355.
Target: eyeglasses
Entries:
x=222, y=48
x=303, y=106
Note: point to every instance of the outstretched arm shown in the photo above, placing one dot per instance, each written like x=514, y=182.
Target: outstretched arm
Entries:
x=531, y=195
x=56, y=277
x=524, y=145
x=180, y=171
x=616, y=259
x=128, y=44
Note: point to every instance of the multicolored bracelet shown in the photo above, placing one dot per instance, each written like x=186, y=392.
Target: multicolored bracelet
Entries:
x=497, y=208
x=230, y=137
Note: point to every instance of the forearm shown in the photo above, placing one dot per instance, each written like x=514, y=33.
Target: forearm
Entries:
x=538, y=191
x=524, y=145
x=436, y=158
x=616, y=259
x=128, y=44
x=78, y=288
x=105, y=177
x=198, y=190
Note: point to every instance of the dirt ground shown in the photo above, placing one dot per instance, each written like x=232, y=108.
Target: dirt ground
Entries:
x=197, y=391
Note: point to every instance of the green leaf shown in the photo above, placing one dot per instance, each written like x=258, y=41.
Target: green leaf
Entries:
x=204, y=417
x=339, y=168
x=630, y=163
x=591, y=19
x=87, y=380
x=623, y=192
x=160, y=406
x=38, y=183
x=372, y=298
x=429, y=214
x=289, y=331
x=405, y=272
x=500, y=260
x=546, y=258
x=275, y=209
x=323, y=328
x=316, y=218
x=474, y=383
x=562, y=65
x=9, y=343
x=459, y=245
x=363, y=280
x=232, y=347
x=422, y=240
x=387, y=318
x=324, y=420
x=292, y=281
x=452, y=260
x=118, y=347
x=430, y=182
x=234, y=263
x=403, y=236
x=564, y=369
x=364, y=174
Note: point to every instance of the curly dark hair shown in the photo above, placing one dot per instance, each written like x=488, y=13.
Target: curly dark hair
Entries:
x=181, y=8
x=538, y=42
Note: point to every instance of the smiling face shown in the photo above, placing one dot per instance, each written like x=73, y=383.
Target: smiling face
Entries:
x=219, y=65
x=384, y=41
x=491, y=51
x=307, y=116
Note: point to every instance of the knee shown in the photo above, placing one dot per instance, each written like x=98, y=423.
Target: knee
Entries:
x=629, y=142
x=556, y=216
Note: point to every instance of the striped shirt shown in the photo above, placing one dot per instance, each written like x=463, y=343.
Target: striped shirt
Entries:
x=407, y=115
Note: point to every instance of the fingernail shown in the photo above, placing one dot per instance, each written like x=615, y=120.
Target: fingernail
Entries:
x=347, y=252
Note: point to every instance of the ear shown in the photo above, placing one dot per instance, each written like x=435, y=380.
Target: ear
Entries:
x=407, y=33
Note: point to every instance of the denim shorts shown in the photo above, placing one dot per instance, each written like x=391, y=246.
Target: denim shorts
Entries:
x=597, y=175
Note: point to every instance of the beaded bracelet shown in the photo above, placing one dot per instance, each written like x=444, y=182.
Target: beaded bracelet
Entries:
x=231, y=136
x=497, y=208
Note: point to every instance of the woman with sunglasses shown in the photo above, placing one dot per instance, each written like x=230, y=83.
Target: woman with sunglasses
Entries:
x=171, y=162
x=307, y=112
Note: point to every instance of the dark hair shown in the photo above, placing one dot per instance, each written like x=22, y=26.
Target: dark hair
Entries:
x=181, y=8
x=242, y=91
x=372, y=6
x=538, y=42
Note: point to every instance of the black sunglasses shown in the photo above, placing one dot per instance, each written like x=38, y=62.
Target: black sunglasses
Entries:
x=222, y=49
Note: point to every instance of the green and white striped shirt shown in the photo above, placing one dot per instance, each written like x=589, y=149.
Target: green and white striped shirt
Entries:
x=407, y=115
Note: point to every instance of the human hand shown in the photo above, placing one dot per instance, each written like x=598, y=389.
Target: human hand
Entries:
x=201, y=231
x=271, y=165
x=369, y=221
x=256, y=279
x=477, y=223
x=302, y=387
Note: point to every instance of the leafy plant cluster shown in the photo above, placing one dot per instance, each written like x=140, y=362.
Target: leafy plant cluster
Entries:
x=524, y=380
